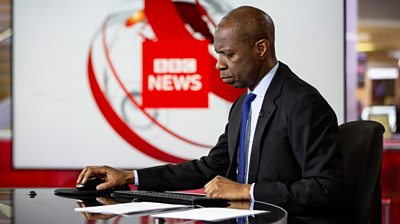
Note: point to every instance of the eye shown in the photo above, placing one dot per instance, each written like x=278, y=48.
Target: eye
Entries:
x=229, y=55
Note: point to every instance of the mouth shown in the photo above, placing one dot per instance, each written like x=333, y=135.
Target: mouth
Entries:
x=227, y=79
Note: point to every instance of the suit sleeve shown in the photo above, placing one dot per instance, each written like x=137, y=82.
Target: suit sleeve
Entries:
x=188, y=175
x=313, y=135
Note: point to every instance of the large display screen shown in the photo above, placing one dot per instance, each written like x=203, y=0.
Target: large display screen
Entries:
x=132, y=83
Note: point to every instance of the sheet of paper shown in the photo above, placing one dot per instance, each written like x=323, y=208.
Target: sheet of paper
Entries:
x=130, y=208
x=209, y=214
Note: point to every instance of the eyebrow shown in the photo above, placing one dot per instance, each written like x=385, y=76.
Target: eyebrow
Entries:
x=224, y=50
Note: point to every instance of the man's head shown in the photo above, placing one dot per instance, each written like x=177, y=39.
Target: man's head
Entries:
x=244, y=40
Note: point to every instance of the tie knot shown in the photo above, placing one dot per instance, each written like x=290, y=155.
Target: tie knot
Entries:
x=249, y=98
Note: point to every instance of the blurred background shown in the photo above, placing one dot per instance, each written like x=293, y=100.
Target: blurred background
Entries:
x=5, y=65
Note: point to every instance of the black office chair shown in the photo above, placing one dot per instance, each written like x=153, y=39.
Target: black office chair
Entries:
x=361, y=144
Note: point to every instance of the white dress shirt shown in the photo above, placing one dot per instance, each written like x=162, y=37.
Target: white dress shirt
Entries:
x=260, y=90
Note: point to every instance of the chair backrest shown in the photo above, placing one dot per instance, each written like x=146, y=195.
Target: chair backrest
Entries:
x=361, y=144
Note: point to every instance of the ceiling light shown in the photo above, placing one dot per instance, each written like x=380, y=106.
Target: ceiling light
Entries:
x=365, y=47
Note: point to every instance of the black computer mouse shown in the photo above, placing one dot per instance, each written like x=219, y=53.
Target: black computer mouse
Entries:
x=88, y=190
x=90, y=184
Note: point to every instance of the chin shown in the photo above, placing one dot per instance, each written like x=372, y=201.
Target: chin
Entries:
x=238, y=85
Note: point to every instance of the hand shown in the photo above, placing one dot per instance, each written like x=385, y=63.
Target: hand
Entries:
x=113, y=177
x=221, y=187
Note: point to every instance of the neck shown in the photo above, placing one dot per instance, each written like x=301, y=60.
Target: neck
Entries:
x=263, y=72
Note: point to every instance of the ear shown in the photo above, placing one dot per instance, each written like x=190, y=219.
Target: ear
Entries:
x=262, y=47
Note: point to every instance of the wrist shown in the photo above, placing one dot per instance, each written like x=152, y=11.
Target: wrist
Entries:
x=246, y=192
x=129, y=177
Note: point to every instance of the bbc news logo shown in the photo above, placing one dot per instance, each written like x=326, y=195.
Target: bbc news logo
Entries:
x=175, y=65
x=174, y=74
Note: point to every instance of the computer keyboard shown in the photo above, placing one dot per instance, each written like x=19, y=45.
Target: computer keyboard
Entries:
x=171, y=198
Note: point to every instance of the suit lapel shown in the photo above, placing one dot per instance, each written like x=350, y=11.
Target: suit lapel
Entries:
x=234, y=127
x=267, y=110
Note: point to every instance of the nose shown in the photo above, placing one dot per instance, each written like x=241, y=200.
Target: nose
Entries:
x=221, y=65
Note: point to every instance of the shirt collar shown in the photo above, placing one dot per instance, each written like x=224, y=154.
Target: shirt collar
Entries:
x=264, y=83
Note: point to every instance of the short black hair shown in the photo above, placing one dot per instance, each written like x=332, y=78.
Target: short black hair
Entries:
x=252, y=23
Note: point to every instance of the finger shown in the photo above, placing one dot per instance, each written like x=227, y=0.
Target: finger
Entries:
x=207, y=188
x=81, y=175
x=209, y=183
x=104, y=186
x=91, y=171
x=88, y=174
x=209, y=192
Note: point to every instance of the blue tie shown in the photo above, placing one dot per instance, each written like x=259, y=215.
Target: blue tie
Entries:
x=243, y=146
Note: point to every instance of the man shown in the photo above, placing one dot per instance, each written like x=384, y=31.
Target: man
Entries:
x=293, y=161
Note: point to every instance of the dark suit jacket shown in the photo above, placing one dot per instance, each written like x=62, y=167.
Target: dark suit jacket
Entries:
x=295, y=161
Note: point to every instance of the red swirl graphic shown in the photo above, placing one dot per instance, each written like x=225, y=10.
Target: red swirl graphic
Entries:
x=164, y=16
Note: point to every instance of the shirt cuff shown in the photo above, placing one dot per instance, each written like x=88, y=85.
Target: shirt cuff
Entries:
x=135, y=174
x=252, y=191
x=252, y=196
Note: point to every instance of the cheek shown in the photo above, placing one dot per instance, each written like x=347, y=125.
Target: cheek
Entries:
x=243, y=69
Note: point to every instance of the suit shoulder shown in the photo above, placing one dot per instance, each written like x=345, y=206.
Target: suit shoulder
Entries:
x=298, y=92
x=296, y=86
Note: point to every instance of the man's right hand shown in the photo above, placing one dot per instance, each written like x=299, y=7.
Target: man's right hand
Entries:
x=113, y=177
